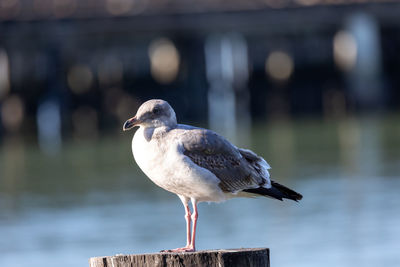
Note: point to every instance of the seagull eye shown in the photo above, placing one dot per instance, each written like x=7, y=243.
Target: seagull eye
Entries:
x=156, y=111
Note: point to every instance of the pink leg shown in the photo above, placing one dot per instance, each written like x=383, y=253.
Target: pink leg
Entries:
x=195, y=215
x=188, y=217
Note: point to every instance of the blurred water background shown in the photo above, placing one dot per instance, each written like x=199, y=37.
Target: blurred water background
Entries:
x=92, y=200
x=311, y=85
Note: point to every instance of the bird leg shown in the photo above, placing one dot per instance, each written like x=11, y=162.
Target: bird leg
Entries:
x=188, y=216
x=188, y=222
x=195, y=215
x=190, y=245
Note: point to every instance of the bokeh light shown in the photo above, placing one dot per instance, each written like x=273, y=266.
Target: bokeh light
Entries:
x=80, y=79
x=279, y=65
x=48, y=119
x=344, y=50
x=12, y=113
x=164, y=60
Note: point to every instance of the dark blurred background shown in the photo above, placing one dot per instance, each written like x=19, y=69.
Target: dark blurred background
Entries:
x=311, y=85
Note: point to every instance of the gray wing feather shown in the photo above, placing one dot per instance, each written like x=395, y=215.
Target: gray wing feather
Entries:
x=228, y=163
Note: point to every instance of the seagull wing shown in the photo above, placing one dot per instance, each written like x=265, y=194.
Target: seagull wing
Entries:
x=237, y=169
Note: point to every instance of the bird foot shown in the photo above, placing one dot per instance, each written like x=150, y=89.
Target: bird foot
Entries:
x=184, y=249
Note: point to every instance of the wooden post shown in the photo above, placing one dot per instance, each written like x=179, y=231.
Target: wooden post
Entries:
x=254, y=257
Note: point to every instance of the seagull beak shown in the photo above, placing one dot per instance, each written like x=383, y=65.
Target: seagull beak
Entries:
x=129, y=124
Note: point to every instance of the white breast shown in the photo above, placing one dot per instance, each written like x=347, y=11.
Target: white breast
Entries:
x=147, y=155
x=163, y=163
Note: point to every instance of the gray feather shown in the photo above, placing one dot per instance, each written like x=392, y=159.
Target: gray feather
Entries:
x=214, y=153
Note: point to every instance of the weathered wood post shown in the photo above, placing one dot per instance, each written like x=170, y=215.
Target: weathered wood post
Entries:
x=253, y=257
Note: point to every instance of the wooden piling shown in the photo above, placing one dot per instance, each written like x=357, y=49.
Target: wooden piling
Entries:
x=253, y=257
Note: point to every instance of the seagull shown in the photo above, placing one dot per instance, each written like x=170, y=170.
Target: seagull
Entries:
x=197, y=164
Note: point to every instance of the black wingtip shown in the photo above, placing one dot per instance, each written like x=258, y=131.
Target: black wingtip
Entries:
x=299, y=197
x=287, y=192
x=276, y=191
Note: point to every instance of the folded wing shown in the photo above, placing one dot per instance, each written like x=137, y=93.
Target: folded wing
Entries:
x=237, y=169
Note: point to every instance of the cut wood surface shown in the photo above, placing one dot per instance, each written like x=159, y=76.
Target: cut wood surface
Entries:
x=221, y=258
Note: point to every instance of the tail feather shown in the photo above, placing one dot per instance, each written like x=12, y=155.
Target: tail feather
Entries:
x=276, y=191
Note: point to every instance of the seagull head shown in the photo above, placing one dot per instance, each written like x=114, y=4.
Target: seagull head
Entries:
x=153, y=113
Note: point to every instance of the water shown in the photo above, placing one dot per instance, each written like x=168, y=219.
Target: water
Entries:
x=91, y=200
